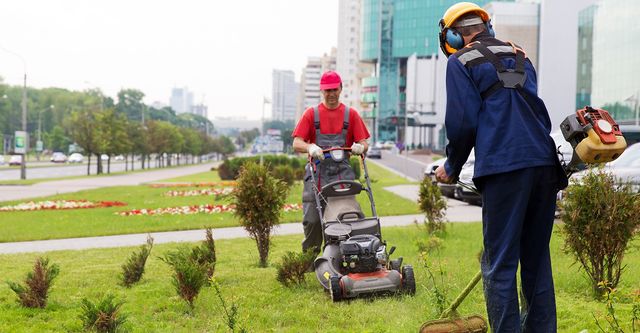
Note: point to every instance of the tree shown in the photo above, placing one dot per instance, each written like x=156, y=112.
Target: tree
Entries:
x=259, y=198
x=82, y=132
x=130, y=104
x=57, y=140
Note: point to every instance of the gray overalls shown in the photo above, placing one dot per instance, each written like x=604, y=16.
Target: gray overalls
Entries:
x=327, y=171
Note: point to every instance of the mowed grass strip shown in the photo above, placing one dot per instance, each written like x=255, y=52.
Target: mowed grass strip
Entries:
x=266, y=306
x=56, y=224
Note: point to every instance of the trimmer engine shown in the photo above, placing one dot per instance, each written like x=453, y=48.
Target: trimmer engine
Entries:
x=594, y=135
x=362, y=254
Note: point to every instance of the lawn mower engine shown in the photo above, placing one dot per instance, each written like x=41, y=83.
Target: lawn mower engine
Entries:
x=594, y=136
x=362, y=254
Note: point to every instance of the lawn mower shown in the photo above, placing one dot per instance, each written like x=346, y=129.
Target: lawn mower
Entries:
x=355, y=261
x=595, y=138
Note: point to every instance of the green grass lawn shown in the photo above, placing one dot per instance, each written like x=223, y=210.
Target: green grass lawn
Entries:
x=52, y=224
x=266, y=306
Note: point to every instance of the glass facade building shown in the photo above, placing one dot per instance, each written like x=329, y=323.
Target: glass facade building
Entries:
x=609, y=58
x=392, y=31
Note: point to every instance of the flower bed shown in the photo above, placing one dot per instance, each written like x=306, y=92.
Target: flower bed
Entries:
x=60, y=204
x=210, y=184
x=196, y=209
x=193, y=193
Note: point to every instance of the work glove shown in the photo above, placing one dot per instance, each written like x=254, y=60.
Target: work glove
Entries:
x=357, y=149
x=315, y=151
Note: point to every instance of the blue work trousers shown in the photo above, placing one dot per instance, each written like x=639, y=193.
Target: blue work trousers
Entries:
x=517, y=217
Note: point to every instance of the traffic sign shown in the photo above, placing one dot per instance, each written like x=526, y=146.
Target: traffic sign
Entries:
x=20, y=140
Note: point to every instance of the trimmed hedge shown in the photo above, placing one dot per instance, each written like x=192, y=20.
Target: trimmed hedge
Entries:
x=283, y=167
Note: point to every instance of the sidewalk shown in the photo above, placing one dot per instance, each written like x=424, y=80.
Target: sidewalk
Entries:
x=456, y=212
x=18, y=192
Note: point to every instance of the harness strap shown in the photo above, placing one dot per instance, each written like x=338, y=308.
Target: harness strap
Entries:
x=345, y=123
x=507, y=77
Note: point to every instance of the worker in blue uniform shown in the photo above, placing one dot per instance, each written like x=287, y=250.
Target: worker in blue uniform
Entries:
x=492, y=105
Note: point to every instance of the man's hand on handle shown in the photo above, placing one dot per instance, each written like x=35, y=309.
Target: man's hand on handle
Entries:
x=315, y=151
x=357, y=149
x=441, y=176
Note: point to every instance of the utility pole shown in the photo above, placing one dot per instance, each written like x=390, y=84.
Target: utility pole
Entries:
x=23, y=165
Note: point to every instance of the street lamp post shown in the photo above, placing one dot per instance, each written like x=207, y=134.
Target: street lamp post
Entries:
x=264, y=101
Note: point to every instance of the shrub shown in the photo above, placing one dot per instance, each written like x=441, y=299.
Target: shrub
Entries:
x=133, y=269
x=35, y=292
x=600, y=217
x=430, y=244
x=205, y=254
x=432, y=204
x=188, y=277
x=293, y=266
x=258, y=198
x=104, y=316
x=285, y=173
x=230, y=169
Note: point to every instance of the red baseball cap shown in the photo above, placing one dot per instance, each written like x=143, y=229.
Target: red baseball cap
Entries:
x=330, y=80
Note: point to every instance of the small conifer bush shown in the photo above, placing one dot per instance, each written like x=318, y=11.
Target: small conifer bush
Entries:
x=433, y=205
x=35, y=291
x=205, y=254
x=293, y=266
x=133, y=269
x=103, y=316
x=188, y=276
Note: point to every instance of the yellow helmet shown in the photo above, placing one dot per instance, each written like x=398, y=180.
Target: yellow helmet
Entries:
x=450, y=39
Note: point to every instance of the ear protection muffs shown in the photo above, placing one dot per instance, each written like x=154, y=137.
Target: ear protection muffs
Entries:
x=451, y=40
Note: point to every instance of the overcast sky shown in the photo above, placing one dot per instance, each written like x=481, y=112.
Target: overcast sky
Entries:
x=223, y=51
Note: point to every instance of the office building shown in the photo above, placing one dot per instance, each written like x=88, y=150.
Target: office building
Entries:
x=284, y=93
x=181, y=100
x=348, y=64
x=608, y=55
x=310, y=80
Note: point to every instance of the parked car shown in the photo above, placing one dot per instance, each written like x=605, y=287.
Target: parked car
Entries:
x=626, y=168
x=388, y=145
x=118, y=158
x=75, y=158
x=374, y=152
x=631, y=133
x=58, y=157
x=1, y=159
x=15, y=160
x=104, y=157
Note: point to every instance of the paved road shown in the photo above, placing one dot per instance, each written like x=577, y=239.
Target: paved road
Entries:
x=412, y=166
x=38, y=170
x=16, y=192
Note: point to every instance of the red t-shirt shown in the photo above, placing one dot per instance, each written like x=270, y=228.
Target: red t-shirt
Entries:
x=331, y=123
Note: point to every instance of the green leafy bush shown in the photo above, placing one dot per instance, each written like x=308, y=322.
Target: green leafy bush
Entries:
x=35, y=292
x=188, y=276
x=600, y=217
x=433, y=205
x=285, y=173
x=205, y=254
x=103, y=316
x=258, y=198
x=355, y=165
x=293, y=266
x=133, y=269
x=430, y=244
x=230, y=168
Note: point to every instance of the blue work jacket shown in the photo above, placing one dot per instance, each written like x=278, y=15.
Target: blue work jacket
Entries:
x=506, y=132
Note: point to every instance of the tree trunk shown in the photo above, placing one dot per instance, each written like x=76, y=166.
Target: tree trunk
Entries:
x=126, y=162
x=89, y=164
x=262, y=240
x=109, y=165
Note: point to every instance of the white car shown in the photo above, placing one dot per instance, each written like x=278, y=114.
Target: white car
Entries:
x=1, y=159
x=75, y=158
x=15, y=160
x=104, y=157
x=118, y=158
x=58, y=157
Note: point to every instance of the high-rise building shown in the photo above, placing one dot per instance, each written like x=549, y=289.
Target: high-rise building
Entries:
x=310, y=80
x=181, y=100
x=608, y=56
x=391, y=32
x=517, y=22
x=348, y=64
x=284, y=92
x=557, y=56
x=201, y=110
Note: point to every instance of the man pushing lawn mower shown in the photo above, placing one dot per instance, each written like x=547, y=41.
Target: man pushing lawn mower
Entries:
x=355, y=258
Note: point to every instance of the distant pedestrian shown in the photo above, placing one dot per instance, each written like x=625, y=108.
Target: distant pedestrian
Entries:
x=492, y=105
